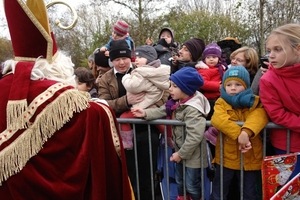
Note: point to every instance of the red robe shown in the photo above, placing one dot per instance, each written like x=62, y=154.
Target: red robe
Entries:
x=81, y=159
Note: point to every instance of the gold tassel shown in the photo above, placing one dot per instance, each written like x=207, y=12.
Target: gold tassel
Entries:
x=15, y=156
x=14, y=111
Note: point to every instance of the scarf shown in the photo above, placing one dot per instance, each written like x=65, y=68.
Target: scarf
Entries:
x=244, y=99
x=171, y=105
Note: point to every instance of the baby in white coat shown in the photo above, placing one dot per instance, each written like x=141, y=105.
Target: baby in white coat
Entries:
x=150, y=77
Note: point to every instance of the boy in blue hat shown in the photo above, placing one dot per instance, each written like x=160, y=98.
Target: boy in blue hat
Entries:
x=238, y=103
x=190, y=106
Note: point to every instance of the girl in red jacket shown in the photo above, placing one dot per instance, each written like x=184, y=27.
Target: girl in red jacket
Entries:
x=280, y=88
x=211, y=68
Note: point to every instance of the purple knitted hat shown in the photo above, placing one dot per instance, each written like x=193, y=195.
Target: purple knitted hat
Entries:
x=212, y=49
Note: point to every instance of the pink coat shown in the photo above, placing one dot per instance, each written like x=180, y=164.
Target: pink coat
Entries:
x=280, y=95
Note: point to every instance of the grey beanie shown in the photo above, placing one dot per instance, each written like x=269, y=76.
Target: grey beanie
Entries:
x=146, y=51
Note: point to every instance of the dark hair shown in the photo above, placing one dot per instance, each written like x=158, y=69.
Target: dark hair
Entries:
x=85, y=76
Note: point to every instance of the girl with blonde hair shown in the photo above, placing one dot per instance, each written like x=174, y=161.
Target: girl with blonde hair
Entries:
x=280, y=88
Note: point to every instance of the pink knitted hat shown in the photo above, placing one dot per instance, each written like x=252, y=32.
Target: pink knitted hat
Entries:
x=121, y=28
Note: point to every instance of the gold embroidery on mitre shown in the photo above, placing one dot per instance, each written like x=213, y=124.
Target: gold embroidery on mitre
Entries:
x=40, y=26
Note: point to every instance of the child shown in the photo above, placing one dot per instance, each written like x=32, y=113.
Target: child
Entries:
x=280, y=88
x=120, y=31
x=85, y=81
x=166, y=47
x=150, y=77
x=238, y=103
x=211, y=68
x=247, y=57
x=191, y=107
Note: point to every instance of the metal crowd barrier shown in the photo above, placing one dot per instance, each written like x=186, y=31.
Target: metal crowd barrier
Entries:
x=178, y=123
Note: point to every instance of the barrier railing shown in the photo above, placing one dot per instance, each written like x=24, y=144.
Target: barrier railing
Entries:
x=206, y=187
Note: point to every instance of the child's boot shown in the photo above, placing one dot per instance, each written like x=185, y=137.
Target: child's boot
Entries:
x=127, y=139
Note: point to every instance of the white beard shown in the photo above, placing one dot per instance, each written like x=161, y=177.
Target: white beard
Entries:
x=61, y=69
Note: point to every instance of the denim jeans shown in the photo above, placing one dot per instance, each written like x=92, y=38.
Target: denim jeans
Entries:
x=192, y=181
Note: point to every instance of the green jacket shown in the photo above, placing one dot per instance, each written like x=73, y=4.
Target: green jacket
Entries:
x=193, y=113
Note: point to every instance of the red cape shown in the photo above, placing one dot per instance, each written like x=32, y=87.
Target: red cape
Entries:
x=81, y=160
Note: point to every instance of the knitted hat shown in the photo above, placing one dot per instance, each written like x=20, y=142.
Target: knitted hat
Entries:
x=118, y=49
x=187, y=79
x=146, y=51
x=121, y=28
x=100, y=59
x=196, y=47
x=166, y=29
x=212, y=49
x=238, y=73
